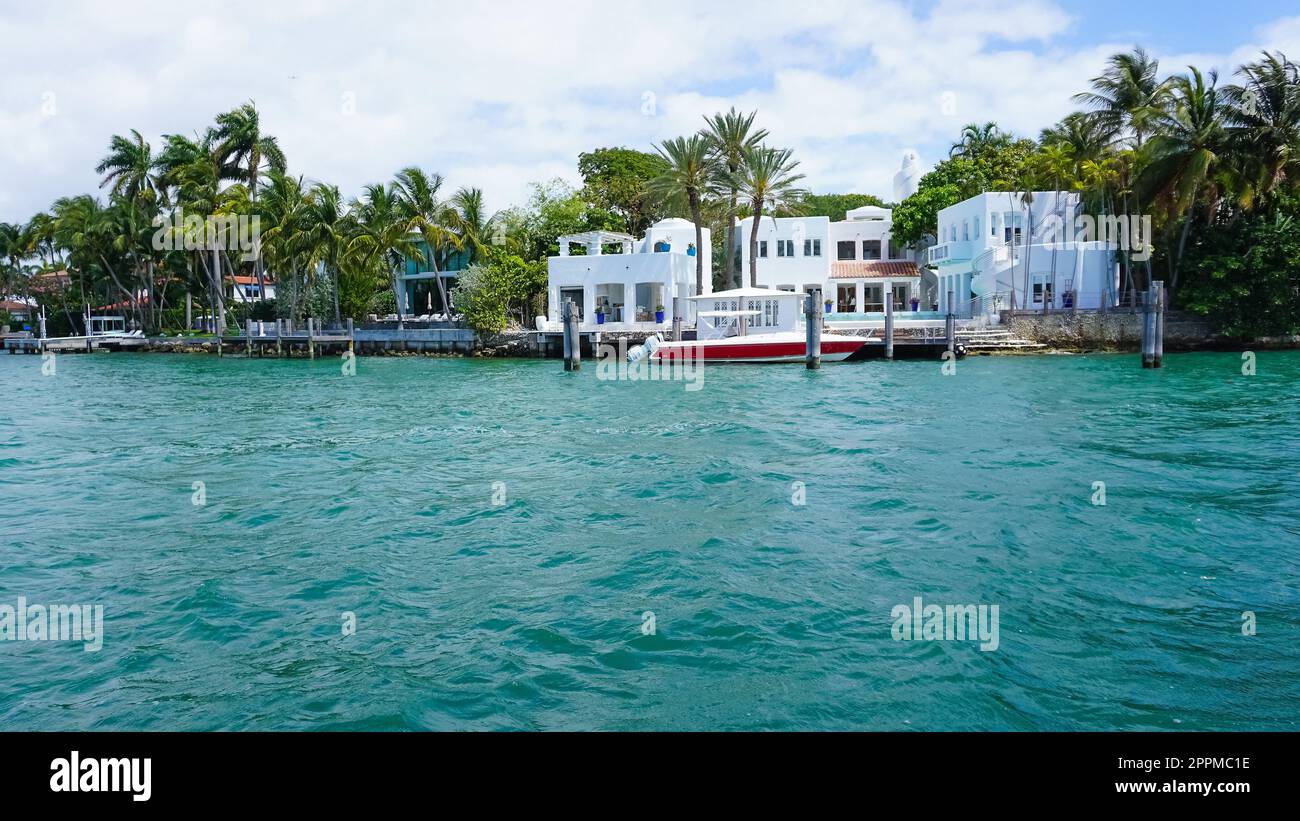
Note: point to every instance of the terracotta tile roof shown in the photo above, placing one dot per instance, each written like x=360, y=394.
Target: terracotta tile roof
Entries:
x=859, y=270
x=10, y=305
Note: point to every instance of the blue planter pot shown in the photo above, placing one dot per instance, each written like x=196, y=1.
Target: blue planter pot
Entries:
x=659, y=317
x=600, y=319
x=828, y=309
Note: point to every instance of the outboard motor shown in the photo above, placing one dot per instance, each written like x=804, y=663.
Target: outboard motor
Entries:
x=646, y=348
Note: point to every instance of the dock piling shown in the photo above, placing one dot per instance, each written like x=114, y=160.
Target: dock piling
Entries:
x=1148, y=328
x=572, y=340
x=950, y=326
x=889, y=324
x=678, y=302
x=311, y=338
x=1158, y=343
x=812, y=310
x=248, y=338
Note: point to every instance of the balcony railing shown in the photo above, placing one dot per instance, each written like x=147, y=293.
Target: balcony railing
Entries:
x=948, y=252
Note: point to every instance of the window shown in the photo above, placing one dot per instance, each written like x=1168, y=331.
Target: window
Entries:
x=977, y=227
x=895, y=250
x=846, y=299
x=965, y=230
x=812, y=247
x=1042, y=287
x=785, y=248
x=844, y=250
x=871, y=249
x=762, y=248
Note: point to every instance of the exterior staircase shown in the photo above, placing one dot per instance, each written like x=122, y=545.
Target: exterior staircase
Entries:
x=994, y=339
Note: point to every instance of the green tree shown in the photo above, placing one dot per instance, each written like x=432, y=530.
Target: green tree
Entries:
x=691, y=176
x=767, y=178
x=617, y=180
x=732, y=134
x=835, y=206
x=384, y=238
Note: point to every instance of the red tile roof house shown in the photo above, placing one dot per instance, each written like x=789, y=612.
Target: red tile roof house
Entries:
x=19, y=311
x=855, y=262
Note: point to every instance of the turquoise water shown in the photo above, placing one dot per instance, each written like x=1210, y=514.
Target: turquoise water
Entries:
x=373, y=494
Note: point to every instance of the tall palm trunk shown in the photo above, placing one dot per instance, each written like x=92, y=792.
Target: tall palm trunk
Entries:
x=729, y=271
x=753, y=243
x=694, y=198
x=442, y=286
x=397, y=292
x=334, y=278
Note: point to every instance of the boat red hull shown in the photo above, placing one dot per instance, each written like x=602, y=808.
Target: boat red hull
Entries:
x=833, y=350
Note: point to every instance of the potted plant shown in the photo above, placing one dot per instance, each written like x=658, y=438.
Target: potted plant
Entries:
x=659, y=314
x=916, y=303
x=690, y=250
x=828, y=305
x=600, y=314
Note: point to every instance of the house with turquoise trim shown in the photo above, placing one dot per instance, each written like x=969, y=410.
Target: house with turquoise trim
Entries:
x=419, y=280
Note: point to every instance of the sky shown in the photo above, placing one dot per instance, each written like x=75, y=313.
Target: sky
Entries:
x=498, y=95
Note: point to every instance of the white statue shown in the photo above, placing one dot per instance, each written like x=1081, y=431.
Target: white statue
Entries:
x=908, y=178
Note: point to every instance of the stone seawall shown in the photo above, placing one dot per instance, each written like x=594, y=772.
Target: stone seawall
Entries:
x=1114, y=330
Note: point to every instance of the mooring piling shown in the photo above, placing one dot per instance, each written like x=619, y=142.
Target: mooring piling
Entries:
x=950, y=326
x=572, y=339
x=1151, y=325
x=812, y=311
x=1162, y=300
x=677, y=318
x=889, y=325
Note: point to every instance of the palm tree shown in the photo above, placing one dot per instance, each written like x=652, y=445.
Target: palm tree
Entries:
x=326, y=228
x=285, y=206
x=417, y=197
x=1083, y=134
x=766, y=178
x=731, y=135
x=470, y=221
x=384, y=234
x=129, y=167
x=1128, y=97
x=190, y=176
x=1185, y=153
x=692, y=174
x=1263, y=118
x=1126, y=102
x=244, y=153
x=11, y=257
x=976, y=138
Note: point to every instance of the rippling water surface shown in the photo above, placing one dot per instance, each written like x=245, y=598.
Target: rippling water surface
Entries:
x=373, y=494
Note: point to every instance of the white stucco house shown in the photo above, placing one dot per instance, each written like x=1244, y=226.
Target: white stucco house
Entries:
x=854, y=261
x=982, y=260
x=633, y=282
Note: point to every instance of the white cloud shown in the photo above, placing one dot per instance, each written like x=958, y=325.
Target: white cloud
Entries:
x=498, y=95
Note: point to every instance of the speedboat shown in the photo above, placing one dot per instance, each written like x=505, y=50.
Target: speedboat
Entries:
x=756, y=325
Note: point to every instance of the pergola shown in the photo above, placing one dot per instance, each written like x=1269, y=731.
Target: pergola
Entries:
x=595, y=240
